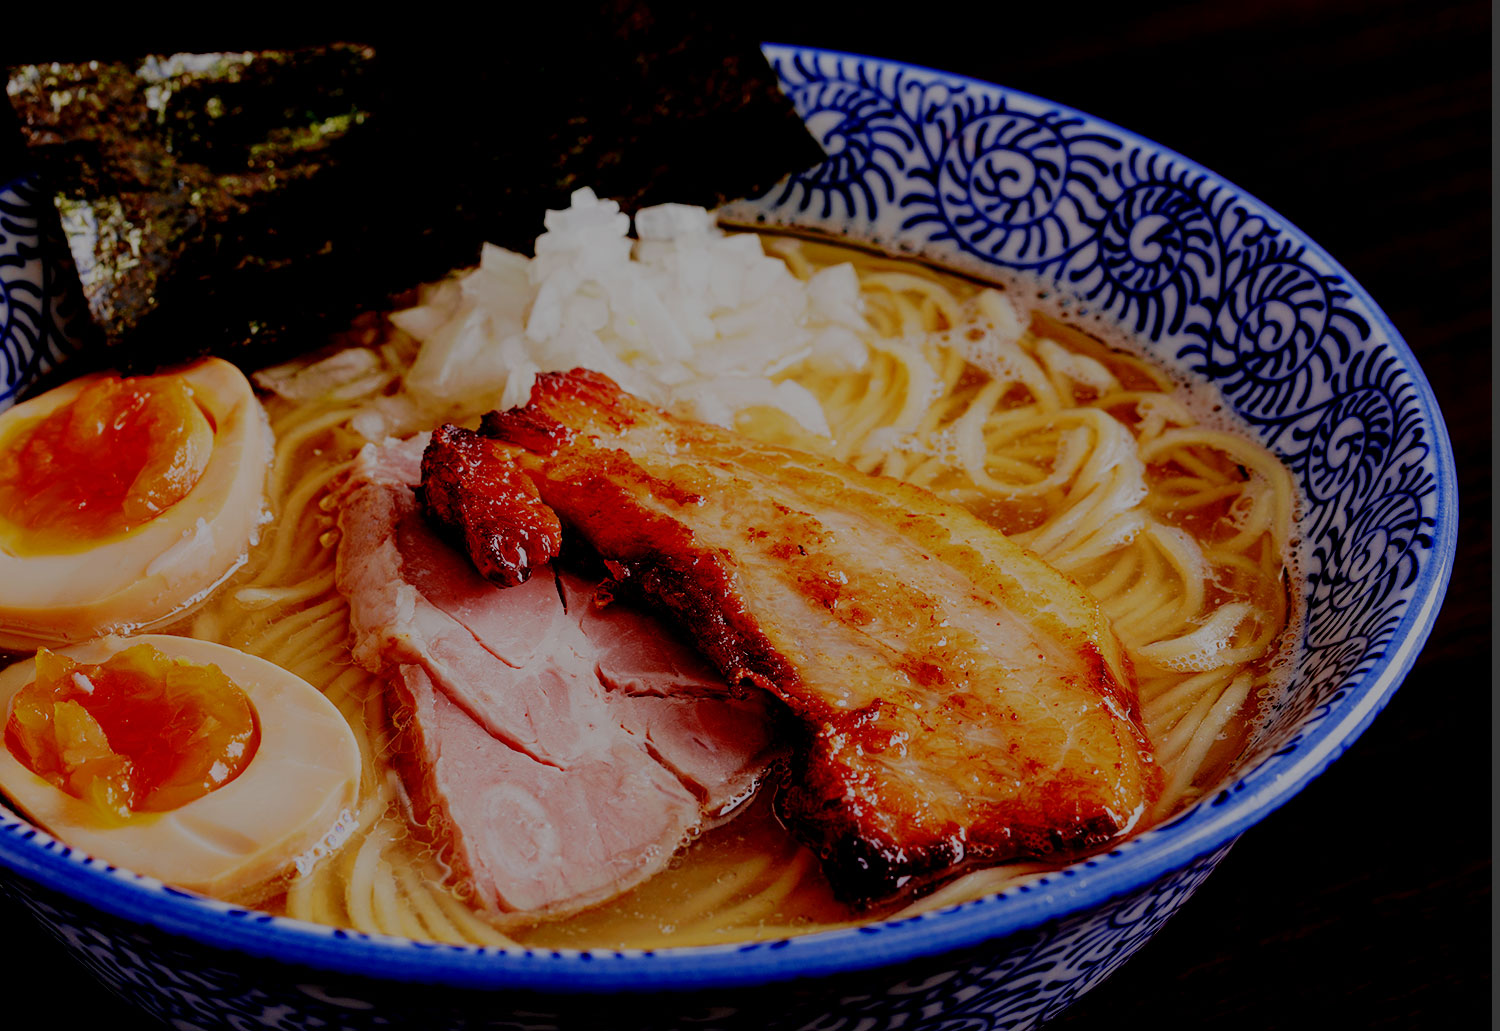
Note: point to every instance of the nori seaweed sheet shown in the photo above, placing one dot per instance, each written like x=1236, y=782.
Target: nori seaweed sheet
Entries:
x=249, y=204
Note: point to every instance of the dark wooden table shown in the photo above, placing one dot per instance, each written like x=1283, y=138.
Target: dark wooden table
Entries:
x=1365, y=901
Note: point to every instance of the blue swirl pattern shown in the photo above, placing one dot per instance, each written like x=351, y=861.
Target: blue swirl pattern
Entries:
x=40, y=306
x=1018, y=984
x=995, y=183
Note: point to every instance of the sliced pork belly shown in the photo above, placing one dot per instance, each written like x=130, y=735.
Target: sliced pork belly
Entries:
x=964, y=703
x=561, y=752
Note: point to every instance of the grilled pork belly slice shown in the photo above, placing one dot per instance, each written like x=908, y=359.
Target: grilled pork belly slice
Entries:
x=963, y=702
x=560, y=752
x=505, y=520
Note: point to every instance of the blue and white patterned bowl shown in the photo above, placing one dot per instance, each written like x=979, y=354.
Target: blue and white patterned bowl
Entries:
x=984, y=180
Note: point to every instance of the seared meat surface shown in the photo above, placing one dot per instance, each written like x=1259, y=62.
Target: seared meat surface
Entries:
x=505, y=528
x=964, y=703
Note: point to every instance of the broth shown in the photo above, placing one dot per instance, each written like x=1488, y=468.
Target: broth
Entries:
x=1087, y=453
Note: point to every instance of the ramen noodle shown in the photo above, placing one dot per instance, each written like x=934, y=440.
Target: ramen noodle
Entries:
x=1090, y=455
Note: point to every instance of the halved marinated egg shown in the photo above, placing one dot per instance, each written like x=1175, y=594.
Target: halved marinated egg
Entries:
x=124, y=501
x=185, y=760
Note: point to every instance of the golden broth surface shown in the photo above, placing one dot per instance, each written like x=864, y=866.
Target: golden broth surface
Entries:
x=1185, y=544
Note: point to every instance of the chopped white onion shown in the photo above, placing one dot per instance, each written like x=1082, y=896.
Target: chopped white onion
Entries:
x=688, y=317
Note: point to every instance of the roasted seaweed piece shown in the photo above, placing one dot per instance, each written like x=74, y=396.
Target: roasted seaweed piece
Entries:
x=190, y=189
x=250, y=204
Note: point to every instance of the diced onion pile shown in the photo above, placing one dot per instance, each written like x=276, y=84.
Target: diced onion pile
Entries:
x=687, y=316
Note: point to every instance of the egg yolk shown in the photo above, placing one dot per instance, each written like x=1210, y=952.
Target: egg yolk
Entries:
x=115, y=457
x=140, y=732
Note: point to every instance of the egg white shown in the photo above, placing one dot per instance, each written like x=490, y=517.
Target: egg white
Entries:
x=148, y=575
x=292, y=803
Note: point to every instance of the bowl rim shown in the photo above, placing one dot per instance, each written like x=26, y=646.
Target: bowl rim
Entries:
x=36, y=856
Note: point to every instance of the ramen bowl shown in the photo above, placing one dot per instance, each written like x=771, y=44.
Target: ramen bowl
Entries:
x=1117, y=232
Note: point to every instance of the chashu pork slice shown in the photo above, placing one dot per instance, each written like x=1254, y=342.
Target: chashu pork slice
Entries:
x=560, y=752
x=963, y=702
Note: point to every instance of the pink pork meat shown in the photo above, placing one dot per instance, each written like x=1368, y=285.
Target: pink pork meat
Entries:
x=560, y=751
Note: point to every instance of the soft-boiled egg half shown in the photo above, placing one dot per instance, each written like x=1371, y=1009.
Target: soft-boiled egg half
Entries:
x=258, y=805
x=125, y=501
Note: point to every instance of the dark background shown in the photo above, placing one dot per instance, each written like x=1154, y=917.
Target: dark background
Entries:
x=1365, y=901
